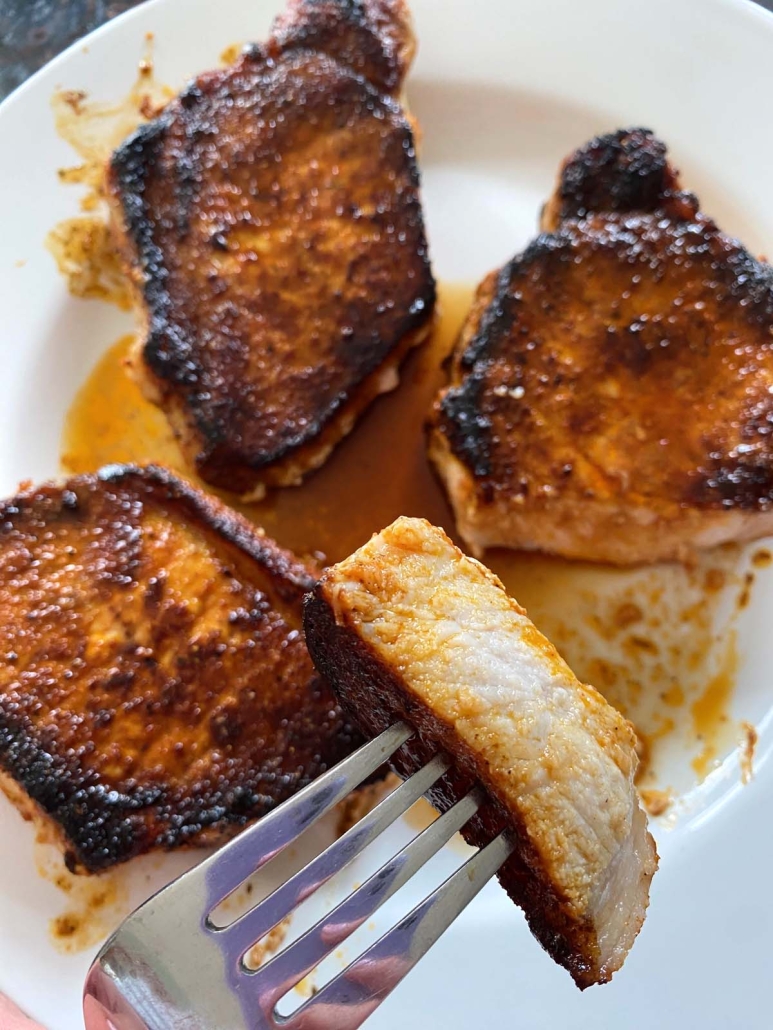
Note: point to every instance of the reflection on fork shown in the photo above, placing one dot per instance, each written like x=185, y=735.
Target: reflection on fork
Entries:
x=172, y=964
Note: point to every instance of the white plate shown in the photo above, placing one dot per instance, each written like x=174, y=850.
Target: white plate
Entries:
x=504, y=90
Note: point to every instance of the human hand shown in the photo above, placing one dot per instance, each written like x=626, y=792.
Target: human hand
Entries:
x=12, y=1018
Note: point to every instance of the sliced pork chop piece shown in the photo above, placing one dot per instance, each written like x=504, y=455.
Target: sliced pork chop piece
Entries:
x=611, y=393
x=270, y=219
x=410, y=628
x=155, y=688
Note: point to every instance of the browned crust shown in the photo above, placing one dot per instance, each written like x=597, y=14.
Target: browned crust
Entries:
x=375, y=696
x=91, y=720
x=48, y=831
x=627, y=170
x=565, y=424
x=271, y=223
x=373, y=37
x=385, y=378
x=286, y=576
x=587, y=529
x=290, y=470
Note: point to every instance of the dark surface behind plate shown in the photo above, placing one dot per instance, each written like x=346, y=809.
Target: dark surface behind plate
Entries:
x=32, y=32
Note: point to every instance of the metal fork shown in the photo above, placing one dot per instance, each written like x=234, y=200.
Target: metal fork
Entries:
x=170, y=966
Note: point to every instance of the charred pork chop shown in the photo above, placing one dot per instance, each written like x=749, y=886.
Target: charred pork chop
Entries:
x=270, y=219
x=155, y=689
x=611, y=394
x=410, y=628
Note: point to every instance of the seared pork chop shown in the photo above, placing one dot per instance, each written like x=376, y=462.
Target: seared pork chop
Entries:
x=410, y=628
x=155, y=688
x=270, y=219
x=611, y=394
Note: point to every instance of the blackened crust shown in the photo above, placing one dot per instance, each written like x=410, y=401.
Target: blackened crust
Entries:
x=372, y=37
x=625, y=170
x=272, y=222
x=578, y=364
x=374, y=696
x=155, y=689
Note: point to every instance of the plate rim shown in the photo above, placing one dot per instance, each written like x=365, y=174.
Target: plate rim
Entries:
x=712, y=8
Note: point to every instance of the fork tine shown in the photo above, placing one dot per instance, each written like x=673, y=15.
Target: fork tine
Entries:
x=284, y=970
x=132, y=976
x=348, y=1000
x=243, y=856
x=253, y=925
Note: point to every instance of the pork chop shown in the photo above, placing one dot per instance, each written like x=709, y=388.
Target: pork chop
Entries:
x=410, y=628
x=611, y=394
x=155, y=688
x=271, y=221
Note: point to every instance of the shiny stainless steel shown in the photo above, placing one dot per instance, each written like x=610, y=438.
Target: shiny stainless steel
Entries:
x=171, y=965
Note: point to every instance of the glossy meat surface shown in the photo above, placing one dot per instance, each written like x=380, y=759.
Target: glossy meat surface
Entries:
x=410, y=628
x=373, y=37
x=611, y=395
x=155, y=689
x=271, y=220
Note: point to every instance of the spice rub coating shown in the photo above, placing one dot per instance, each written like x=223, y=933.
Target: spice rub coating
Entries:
x=155, y=687
x=270, y=218
x=611, y=394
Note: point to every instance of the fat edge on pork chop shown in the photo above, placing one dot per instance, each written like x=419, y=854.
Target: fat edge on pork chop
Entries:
x=410, y=628
x=611, y=393
x=271, y=221
x=155, y=687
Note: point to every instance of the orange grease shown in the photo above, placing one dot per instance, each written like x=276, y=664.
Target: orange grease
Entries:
x=379, y=472
x=110, y=420
x=709, y=711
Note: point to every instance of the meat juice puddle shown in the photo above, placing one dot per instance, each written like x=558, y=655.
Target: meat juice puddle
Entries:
x=658, y=642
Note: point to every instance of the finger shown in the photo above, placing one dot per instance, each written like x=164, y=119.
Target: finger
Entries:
x=12, y=1017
